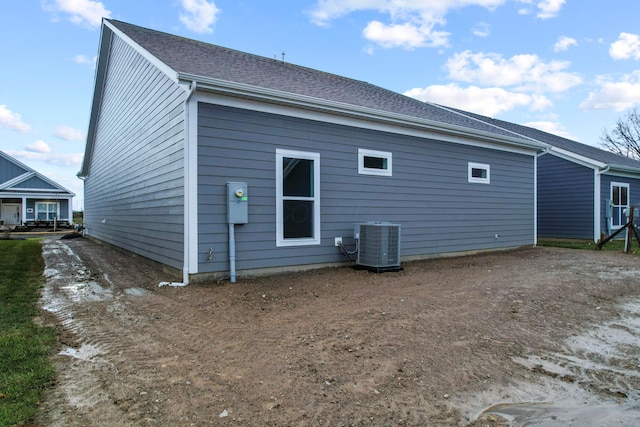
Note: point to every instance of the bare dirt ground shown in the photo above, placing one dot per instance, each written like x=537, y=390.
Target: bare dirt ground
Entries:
x=548, y=336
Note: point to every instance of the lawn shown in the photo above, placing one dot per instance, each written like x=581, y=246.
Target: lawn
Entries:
x=613, y=245
x=25, y=369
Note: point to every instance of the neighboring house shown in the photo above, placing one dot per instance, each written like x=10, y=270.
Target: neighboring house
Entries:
x=174, y=120
x=29, y=198
x=583, y=191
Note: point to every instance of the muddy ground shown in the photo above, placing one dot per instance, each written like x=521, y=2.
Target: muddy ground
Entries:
x=537, y=335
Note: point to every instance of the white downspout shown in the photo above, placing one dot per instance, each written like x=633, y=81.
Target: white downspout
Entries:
x=597, y=199
x=187, y=186
x=535, y=194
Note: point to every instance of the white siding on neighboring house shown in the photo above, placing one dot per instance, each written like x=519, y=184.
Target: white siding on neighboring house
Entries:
x=134, y=190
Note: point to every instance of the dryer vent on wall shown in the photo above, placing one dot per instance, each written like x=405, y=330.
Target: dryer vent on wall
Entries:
x=379, y=246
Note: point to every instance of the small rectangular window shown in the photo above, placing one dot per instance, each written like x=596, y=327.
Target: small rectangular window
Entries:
x=372, y=162
x=480, y=173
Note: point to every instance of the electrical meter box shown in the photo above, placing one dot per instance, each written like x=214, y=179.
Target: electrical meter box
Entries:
x=237, y=203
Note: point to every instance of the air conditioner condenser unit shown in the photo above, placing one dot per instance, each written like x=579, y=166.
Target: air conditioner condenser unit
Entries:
x=378, y=246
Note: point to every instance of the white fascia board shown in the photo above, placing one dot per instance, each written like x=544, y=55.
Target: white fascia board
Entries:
x=624, y=171
x=34, y=195
x=170, y=72
x=8, y=186
x=576, y=158
x=635, y=174
x=17, y=180
x=16, y=162
x=260, y=99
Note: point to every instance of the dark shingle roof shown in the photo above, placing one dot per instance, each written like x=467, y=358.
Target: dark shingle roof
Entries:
x=575, y=147
x=189, y=56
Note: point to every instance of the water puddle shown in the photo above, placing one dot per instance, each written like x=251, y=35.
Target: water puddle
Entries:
x=92, y=291
x=136, y=292
x=86, y=352
x=593, y=381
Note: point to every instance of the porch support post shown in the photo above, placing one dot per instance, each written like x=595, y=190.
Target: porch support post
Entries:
x=23, y=216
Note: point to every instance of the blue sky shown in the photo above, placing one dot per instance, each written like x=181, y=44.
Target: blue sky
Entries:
x=570, y=67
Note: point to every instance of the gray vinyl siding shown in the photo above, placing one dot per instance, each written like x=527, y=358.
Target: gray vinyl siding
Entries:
x=35, y=182
x=134, y=191
x=605, y=191
x=9, y=170
x=428, y=194
x=565, y=199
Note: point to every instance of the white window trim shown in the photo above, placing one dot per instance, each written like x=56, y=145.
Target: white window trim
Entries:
x=362, y=153
x=618, y=184
x=46, y=202
x=280, y=240
x=484, y=166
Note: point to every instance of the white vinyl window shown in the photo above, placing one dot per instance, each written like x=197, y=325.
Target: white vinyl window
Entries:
x=479, y=172
x=619, y=203
x=46, y=211
x=372, y=162
x=298, y=198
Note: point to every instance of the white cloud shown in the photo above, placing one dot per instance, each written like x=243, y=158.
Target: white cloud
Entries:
x=564, y=43
x=627, y=46
x=86, y=13
x=411, y=23
x=68, y=133
x=39, y=147
x=546, y=8
x=549, y=8
x=485, y=101
x=407, y=35
x=523, y=72
x=615, y=95
x=551, y=127
x=482, y=29
x=65, y=160
x=84, y=60
x=200, y=15
x=13, y=121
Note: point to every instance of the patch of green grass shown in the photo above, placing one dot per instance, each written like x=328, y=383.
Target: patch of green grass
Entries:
x=25, y=368
x=612, y=245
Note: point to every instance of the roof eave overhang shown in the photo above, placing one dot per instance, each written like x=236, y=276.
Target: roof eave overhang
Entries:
x=601, y=167
x=624, y=169
x=224, y=87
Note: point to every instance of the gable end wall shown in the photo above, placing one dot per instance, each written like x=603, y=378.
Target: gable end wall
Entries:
x=134, y=191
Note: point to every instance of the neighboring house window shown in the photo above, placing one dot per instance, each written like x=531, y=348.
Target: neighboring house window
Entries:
x=46, y=211
x=372, y=162
x=298, y=198
x=619, y=202
x=479, y=172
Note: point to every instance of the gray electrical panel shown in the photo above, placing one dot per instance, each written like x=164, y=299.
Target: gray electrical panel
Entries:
x=237, y=203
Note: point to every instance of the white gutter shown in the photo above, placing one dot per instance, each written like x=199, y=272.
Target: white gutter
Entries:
x=188, y=184
x=311, y=103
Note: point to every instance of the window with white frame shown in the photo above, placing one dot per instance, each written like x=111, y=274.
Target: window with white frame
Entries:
x=298, y=198
x=371, y=162
x=479, y=172
x=46, y=211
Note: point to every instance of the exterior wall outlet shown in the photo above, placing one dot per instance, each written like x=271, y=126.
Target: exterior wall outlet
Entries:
x=338, y=241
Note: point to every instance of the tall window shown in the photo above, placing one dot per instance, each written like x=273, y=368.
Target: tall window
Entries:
x=46, y=211
x=619, y=202
x=298, y=198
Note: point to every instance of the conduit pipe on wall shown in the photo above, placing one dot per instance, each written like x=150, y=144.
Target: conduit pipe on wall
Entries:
x=232, y=253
